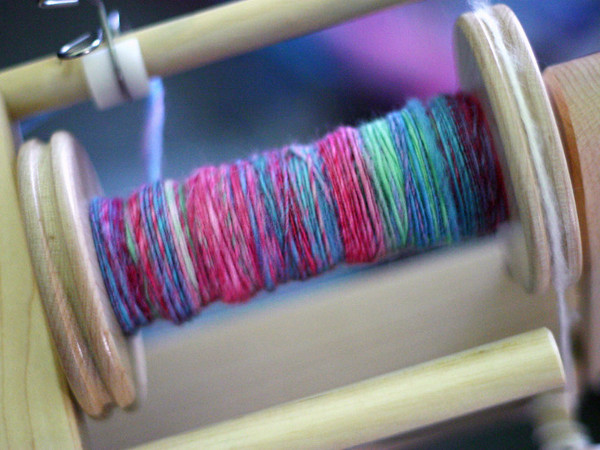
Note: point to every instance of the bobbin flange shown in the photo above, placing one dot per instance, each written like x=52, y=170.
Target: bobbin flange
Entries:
x=482, y=40
x=56, y=183
x=74, y=354
x=75, y=184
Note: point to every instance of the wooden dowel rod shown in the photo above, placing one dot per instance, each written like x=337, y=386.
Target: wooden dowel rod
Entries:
x=183, y=44
x=240, y=27
x=409, y=399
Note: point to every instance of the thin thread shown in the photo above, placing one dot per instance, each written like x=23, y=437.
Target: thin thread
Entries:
x=152, y=143
x=561, y=278
x=418, y=178
x=560, y=270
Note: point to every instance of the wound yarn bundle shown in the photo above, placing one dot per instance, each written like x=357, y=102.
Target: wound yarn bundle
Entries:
x=418, y=178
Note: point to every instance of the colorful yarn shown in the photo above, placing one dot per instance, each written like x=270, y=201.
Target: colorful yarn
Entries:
x=421, y=177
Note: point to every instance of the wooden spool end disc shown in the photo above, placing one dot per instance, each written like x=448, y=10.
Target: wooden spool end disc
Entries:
x=484, y=71
x=74, y=354
x=56, y=183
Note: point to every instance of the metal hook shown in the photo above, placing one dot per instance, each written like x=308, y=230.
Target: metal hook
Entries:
x=57, y=3
x=83, y=45
x=87, y=43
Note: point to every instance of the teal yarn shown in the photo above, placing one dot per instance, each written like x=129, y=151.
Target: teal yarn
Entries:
x=426, y=163
x=428, y=168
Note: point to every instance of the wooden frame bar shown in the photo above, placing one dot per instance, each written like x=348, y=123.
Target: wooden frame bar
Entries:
x=183, y=44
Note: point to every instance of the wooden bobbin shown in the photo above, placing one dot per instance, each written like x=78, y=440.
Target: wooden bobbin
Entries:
x=482, y=73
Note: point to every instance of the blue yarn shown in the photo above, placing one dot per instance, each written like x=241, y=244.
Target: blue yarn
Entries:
x=110, y=282
x=145, y=207
x=176, y=286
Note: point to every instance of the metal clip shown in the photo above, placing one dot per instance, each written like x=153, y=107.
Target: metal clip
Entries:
x=88, y=42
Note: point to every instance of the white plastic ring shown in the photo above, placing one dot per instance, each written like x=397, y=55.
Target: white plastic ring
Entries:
x=102, y=80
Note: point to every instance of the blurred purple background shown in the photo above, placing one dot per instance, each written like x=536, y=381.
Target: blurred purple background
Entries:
x=294, y=91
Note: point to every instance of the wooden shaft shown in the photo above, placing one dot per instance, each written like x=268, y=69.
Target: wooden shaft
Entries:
x=183, y=44
x=574, y=89
x=409, y=399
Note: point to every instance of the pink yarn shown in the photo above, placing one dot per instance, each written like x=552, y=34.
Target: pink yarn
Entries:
x=359, y=216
